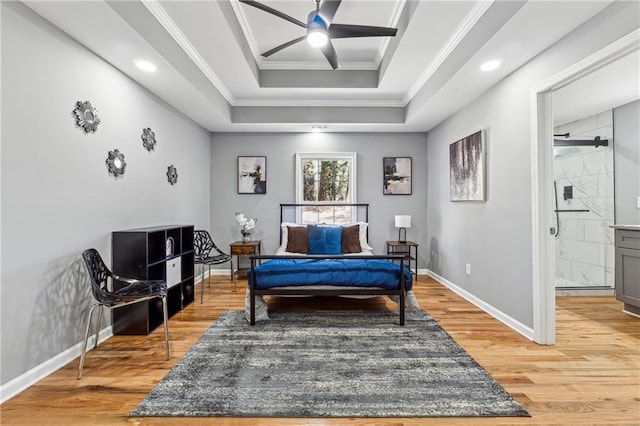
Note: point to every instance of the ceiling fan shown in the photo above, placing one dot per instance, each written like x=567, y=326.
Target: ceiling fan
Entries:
x=321, y=29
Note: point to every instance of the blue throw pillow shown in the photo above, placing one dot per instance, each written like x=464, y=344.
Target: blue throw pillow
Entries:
x=333, y=240
x=316, y=239
x=324, y=239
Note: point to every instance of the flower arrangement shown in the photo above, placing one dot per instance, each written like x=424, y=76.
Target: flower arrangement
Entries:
x=246, y=225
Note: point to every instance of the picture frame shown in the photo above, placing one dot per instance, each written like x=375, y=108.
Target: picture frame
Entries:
x=397, y=175
x=467, y=168
x=252, y=174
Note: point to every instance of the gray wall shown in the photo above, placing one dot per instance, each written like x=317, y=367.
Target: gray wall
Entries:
x=626, y=134
x=495, y=236
x=280, y=150
x=57, y=197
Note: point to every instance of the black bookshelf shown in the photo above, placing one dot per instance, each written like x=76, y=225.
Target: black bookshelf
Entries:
x=155, y=253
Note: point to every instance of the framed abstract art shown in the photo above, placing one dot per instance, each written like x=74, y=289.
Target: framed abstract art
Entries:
x=467, y=168
x=397, y=175
x=252, y=175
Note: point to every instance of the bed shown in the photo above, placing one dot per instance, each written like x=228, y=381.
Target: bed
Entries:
x=324, y=251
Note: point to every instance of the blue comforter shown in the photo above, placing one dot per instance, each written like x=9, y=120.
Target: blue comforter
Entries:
x=336, y=272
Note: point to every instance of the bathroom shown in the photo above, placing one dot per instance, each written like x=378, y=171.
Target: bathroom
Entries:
x=584, y=205
x=596, y=160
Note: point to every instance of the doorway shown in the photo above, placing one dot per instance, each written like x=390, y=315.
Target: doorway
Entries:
x=543, y=204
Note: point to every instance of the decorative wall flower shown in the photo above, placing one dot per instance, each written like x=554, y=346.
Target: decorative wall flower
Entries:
x=148, y=139
x=86, y=117
x=172, y=174
x=115, y=162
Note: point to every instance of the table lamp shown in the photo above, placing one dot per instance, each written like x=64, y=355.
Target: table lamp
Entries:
x=403, y=222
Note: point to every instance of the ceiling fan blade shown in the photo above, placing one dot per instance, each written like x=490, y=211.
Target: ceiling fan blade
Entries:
x=274, y=12
x=283, y=46
x=328, y=9
x=330, y=54
x=347, y=31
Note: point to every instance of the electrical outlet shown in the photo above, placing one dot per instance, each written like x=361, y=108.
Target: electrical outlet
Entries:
x=468, y=269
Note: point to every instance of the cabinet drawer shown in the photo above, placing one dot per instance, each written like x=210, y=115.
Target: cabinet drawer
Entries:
x=244, y=250
x=628, y=239
x=174, y=271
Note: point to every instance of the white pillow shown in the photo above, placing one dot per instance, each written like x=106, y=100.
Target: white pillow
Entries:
x=364, y=244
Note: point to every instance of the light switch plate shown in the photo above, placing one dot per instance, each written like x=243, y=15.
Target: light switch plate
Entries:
x=638, y=203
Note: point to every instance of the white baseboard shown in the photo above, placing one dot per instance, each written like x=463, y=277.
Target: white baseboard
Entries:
x=50, y=366
x=510, y=322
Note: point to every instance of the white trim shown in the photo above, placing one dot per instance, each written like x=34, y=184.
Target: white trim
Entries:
x=50, y=366
x=344, y=103
x=543, y=245
x=510, y=322
x=246, y=29
x=158, y=12
x=353, y=173
x=633, y=314
x=316, y=65
x=463, y=29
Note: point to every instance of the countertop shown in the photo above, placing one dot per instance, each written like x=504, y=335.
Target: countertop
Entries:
x=627, y=227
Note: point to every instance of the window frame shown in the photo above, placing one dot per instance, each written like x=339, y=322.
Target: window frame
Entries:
x=338, y=156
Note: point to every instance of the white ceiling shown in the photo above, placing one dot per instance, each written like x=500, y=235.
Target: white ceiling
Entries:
x=616, y=84
x=210, y=68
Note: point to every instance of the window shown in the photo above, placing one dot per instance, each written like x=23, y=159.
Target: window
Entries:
x=326, y=178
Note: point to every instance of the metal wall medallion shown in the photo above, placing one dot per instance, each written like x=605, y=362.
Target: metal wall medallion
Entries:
x=148, y=139
x=86, y=117
x=172, y=175
x=115, y=162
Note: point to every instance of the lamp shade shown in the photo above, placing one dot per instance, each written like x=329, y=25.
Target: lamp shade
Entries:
x=403, y=221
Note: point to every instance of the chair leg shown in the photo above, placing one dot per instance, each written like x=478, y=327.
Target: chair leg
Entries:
x=86, y=338
x=209, y=278
x=100, y=311
x=166, y=325
x=202, y=287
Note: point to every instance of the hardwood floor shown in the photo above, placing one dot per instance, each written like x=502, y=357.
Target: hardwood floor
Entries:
x=591, y=376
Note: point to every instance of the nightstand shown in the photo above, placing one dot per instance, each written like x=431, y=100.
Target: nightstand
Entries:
x=240, y=249
x=409, y=249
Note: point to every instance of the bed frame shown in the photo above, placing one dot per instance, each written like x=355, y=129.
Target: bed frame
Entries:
x=336, y=291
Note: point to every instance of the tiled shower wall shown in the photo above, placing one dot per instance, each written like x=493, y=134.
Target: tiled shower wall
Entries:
x=584, y=247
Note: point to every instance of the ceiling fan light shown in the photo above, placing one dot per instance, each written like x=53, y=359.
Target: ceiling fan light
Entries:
x=317, y=37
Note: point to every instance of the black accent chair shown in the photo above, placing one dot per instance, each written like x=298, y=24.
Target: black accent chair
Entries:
x=134, y=291
x=203, y=245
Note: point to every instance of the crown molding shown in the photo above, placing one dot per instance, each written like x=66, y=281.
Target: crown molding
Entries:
x=463, y=29
x=246, y=29
x=393, y=23
x=317, y=65
x=158, y=12
x=357, y=103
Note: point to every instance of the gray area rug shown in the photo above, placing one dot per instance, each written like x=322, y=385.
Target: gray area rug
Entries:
x=328, y=364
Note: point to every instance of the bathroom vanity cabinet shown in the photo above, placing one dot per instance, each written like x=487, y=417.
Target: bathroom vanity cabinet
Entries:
x=628, y=267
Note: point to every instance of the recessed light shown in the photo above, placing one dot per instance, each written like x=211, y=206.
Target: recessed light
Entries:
x=145, y=65
x=491, y=65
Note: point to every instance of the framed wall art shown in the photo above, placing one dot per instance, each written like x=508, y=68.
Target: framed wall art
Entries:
x=397, y=175
x=252, y=175
x=467, y=168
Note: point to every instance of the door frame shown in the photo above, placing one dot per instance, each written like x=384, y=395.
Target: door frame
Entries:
x=543, y=250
